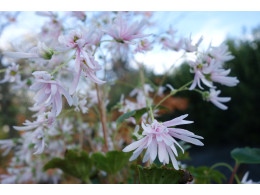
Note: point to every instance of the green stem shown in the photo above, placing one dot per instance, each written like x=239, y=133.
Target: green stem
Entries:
x=182, y=88
x=3, y=70
x=60, y=66
x=151, y=110
x=58, y=52
x=227, y=166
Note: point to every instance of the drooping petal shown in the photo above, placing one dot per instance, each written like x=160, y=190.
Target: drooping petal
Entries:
x=135, y=145
x=188, y=139
x=177, y=121
x=173, y=159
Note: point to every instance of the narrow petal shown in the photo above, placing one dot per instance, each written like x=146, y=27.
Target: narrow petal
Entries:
x=177, y=121
x=188, y=139
x=135, y=145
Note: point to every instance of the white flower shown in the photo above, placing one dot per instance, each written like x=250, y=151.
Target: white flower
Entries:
x=122, y=32
x=159, y=138
x=39, y=52
x=11, y=74
x=217, y=101
x=80, y=104
x=38, y=140
x=189, y=47
x=44, y=119
x=245, y=181
x=49, y=92
x=209, y=73
x=7, y=145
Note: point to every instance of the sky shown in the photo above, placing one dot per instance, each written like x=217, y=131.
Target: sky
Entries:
x=215, y=27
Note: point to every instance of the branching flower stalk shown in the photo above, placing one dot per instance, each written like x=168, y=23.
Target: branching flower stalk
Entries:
x=182, y=88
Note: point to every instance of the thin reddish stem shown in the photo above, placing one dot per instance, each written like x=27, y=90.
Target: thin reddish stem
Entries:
x=102, y=111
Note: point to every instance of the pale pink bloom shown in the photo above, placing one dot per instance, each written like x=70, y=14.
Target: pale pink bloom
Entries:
x=80, y=104
x=143, y=45
x=246, y=181
x=170, y=42
x=217, y=101
x=159, y=138
x=89, y=67
x=51, y=31
x=189, y=47
x=197, y=68
x=45, y=120
x=209, y=73
x=221, y=53
x=220, y=76
x=81, y=15
x=84, y=59
x=123, y=32
x=6, y=145
x=38, y=140
x=39, y=52
x=11, y=74
x=49, y=92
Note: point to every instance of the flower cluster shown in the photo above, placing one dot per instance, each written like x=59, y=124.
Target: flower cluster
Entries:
x=69, y=74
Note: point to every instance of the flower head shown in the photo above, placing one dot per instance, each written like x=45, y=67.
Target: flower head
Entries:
x=41, y=51
x=159, y=138
x=122, y=32
x=49, y=92
x=217, y=101
x=11, y=74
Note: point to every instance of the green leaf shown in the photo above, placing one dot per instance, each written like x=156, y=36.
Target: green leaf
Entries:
x=205, y=175
x=77, y=165
x=112, y=162
x=246, y=155
x=163, y=175
x=125, y=116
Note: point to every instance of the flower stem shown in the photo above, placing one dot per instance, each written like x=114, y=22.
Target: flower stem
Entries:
x=60, y=66
x=233, y=173
x=102, y=111
x=182, y=88
x=3, y=70
x=151, y=110
x=229, y=167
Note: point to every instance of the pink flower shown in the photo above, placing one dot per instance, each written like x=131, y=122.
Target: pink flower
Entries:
x=122, y=32
x=38, y=140
x=170, y=42
x=209, y=73
x=217, y=101
x=11, y=74
x=143, y=45
x=44, y=120
x=159, y=138
x=84, y=59
x=221, y=53
x=79, y=14
x=80, y=104
x=49, y=92
x=39, y=52
x=189, y=47
x=6, y=145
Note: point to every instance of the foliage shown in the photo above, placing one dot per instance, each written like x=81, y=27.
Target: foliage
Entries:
x=246, y=155
x=77, y=165
x=163, y=175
